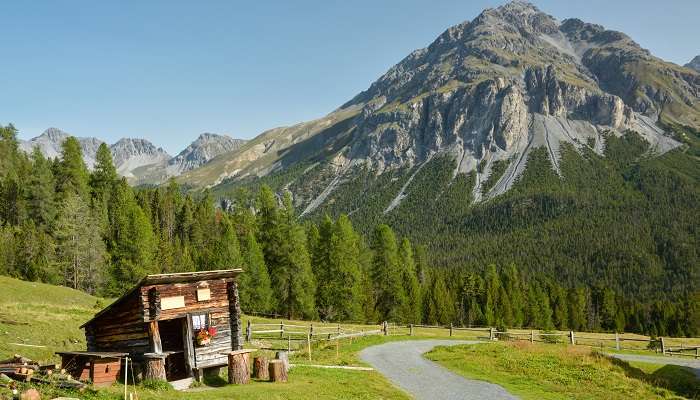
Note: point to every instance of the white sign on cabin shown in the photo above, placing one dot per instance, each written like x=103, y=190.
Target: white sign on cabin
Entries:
x=168, y=303
x=203, y=294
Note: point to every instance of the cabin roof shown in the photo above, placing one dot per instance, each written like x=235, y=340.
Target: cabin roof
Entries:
x=159, y=279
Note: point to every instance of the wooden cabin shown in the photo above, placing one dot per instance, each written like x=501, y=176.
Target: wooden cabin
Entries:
x=161, y=317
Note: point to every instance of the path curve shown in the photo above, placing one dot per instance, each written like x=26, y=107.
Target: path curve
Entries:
x=404, y=365
x=694, y=365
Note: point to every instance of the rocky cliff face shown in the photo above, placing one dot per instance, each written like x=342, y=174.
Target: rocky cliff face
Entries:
x=130, y=154
x=202, y=150
x=694, y=64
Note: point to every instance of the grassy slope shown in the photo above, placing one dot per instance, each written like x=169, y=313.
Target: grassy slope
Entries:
x=45, y=315
x=563, y=372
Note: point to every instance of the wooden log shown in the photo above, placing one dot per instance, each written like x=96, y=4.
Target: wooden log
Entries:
x=238, y=368
x=260, y=368
x=154, y=367
x=282, y=356
x=277, y=371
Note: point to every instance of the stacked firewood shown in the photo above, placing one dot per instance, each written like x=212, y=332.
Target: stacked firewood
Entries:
x=22, y=369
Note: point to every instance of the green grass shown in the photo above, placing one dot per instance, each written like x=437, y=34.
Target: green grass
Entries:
x=534, y=371
x=38, y=314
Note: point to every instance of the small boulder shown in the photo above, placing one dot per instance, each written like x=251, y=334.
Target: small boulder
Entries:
x=31, y=394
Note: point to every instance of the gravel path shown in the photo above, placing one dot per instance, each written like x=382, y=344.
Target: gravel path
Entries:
x=403, y=363
x=694, y=365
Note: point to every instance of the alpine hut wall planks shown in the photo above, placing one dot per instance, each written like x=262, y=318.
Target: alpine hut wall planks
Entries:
x=156, y=317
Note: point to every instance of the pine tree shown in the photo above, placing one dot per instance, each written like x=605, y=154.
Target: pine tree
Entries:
x=226, y=250
x=72, y=173
x=345, y=280
x=514, y=289
x=413, y=309
x=386, y=275
x=81, y=253
x=256, y=292
x=41, y=205
x=491, y=292
x=133, y=244
x=439, y=305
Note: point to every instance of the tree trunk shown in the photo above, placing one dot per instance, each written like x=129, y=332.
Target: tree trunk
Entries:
x=238, y=367
x=278, y=373
x=282, y=356
x=260, y=368
x=155, y=368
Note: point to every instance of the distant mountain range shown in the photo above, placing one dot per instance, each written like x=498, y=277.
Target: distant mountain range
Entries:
x=138, y=159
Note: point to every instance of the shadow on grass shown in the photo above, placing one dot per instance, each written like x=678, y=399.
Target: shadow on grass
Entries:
x=679, y=380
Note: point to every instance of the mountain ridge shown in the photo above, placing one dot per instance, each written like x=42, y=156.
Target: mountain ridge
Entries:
x=485, y=92
x=132, y=155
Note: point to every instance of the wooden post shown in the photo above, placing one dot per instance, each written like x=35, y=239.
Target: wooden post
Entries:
x=289, y=343
x=154, y=366
x=337, y=348
x=260, y=368
x=277, y=371
x=281, y=330
x=410, y=330
x=154, y=336
x=338, y=329
x=617, y=341
x=308, y=345
x=238, y=367
x=663, y=346
x=234, y=310
x=126, y=375
x=248, y=332
x=311, y=330
x=450, y=329
x=385, y=328
x=532, y=336
x=492, y=333
x=572, y=338
x=153, y=303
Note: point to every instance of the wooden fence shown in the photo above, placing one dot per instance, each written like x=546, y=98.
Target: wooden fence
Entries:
x=301, y=334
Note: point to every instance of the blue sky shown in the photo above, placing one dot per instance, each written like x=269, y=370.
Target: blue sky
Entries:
x=170, y=70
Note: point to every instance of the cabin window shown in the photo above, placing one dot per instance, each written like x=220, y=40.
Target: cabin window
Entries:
x=200, y=321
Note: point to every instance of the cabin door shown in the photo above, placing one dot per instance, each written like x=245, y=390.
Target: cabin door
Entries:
x=175, y=336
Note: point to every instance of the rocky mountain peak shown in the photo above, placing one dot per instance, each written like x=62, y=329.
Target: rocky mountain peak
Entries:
x=203, y=149
x=54, y=134
x=694, y=64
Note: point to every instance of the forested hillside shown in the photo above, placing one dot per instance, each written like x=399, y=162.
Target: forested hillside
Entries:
x=610, y=246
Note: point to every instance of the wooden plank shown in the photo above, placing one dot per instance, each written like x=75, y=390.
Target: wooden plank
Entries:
x=190, y=362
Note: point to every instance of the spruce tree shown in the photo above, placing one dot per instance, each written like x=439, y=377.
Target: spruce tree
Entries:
x=345, y=280
x=386, y=275
x=413, y=310
x=72, y=173
x=41, y=205
x=256, y=292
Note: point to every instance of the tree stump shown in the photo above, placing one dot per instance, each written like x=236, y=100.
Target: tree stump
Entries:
x=282, y=356
x=260, y=368
x=154, y=367
x=239, y=367
x=278, y=373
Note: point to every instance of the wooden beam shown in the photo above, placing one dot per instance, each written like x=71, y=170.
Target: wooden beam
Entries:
x=153, y=304
x=154, y=336
x=190, y=362
x=234, y=309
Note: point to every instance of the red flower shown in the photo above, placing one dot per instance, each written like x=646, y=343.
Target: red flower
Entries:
x=212, y=331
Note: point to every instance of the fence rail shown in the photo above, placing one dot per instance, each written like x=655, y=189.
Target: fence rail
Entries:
x=295, y=332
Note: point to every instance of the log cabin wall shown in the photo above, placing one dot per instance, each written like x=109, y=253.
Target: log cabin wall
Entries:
x=121, y=329
x=216, y=307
